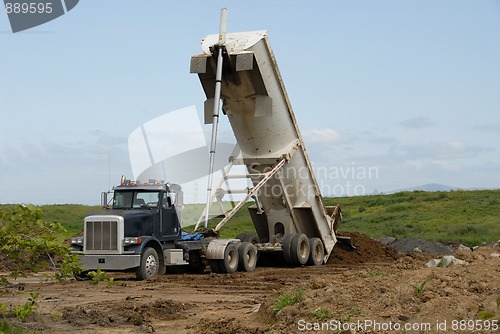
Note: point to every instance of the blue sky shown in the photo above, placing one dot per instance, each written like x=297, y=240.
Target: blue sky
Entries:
x=410, y=89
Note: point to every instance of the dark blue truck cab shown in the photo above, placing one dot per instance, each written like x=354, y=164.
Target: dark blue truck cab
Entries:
x=141, y=231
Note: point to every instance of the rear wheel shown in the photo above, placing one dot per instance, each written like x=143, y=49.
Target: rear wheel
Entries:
x=214, y=266
x=316, y=252
x=230, y=262
x=299, y=249
x=287, y=248
x=149, y=267
x=247, y=256
x=196, y=264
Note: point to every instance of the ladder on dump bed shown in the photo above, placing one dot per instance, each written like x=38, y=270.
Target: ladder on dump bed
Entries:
x=251, y=192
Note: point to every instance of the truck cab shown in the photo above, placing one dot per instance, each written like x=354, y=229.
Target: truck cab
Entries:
x=139, y=231
x=148, y=210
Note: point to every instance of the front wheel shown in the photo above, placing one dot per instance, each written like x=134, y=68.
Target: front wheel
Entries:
x=150, y=265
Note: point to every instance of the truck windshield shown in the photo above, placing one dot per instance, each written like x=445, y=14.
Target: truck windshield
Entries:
x=135, y=199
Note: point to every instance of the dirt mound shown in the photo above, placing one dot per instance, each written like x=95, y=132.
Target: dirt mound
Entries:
x=113, y=314
x=420, y=299
x=223, y=325
x=367, y=250
x=411, y=245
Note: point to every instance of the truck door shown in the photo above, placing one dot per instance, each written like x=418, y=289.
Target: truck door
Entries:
x=169, y=222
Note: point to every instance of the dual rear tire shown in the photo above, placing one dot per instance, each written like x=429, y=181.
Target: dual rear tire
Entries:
x=299, y=250
x=237, y=256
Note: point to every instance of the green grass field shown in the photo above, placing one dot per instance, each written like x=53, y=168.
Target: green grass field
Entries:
x=470, y=217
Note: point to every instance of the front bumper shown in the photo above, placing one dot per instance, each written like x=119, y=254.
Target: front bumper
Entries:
x=110, y=262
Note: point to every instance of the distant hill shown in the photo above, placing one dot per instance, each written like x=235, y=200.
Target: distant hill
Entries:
x=427, y=187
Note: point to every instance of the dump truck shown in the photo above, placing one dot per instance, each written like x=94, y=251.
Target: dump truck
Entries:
x=142, y=229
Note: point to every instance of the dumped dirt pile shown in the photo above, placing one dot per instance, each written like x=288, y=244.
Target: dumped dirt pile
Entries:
x=114, y=315
x=418, y=297
x=367, y=250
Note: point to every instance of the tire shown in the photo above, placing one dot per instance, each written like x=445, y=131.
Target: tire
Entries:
x=287, y=245
x=230, y=262
x=82, y=276
x=248, y=237
x=316, y=252
x=196, y=264
x=150, y=265
x=247, y=253
x=299, y=249
x=214, y=266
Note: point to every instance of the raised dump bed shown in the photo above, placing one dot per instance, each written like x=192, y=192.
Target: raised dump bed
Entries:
x=287, y=196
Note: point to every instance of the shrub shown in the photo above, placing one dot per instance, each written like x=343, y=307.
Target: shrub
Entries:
x=27, y=244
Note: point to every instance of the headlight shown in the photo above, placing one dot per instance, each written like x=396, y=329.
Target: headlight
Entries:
x=77, y=241
x=131, y=241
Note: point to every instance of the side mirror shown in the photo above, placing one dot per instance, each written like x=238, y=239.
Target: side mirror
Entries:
x=104, y=199
x=179, y=199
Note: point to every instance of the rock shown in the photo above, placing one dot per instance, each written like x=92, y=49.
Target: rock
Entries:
x=412, y=245
x=403, y=317
x=445, y=261
x=433, y=263
x=495, y=254
x=450, y=260
x=482, y=287
x=464, y=248
x=491, y=244
x=386, y=240
x=428, y=295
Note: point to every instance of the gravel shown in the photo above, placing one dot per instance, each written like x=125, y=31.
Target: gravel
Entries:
x=411, y=245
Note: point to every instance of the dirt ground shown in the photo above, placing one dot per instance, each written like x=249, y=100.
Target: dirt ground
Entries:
x=368, y=290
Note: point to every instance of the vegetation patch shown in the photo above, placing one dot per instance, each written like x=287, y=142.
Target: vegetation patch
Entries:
x=28, y=244
x=420, y=288
x=467, y=217
x=287, y=299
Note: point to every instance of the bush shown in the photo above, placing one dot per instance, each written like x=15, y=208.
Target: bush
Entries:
x=27, y=244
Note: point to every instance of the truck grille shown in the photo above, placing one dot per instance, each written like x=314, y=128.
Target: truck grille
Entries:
x=101, y=235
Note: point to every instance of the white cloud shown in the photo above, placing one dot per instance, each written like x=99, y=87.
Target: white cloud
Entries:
x=417, y=164
x=321, y=136
x=452, y=150
x=491, y=127
x=417, y=122
x=445, y=150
